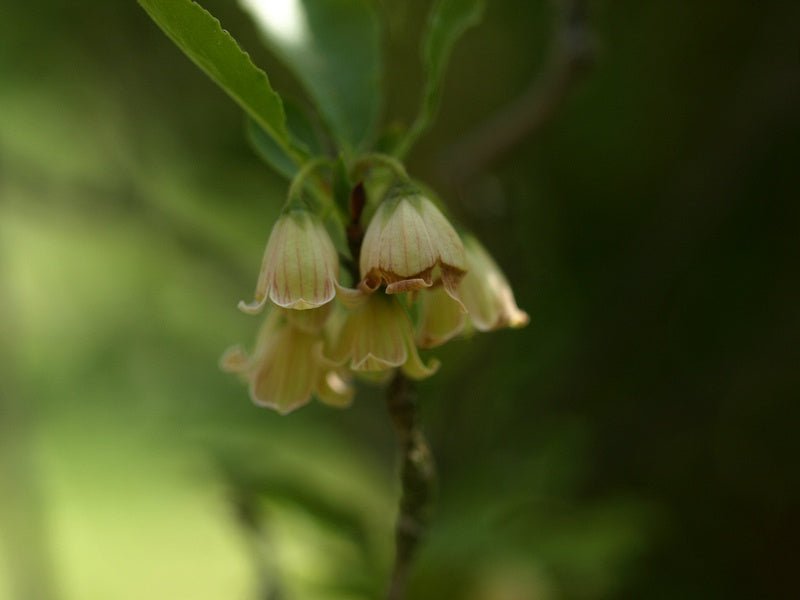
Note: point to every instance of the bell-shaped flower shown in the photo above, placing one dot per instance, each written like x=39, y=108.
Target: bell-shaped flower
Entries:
x=486, y=292
x=287, y=365
x=408, y=239
x=300, y=265
x=377, y=336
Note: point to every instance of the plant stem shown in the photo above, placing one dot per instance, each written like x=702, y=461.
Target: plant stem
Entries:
x=417, y=479
x=300, y=180
x=373, y=159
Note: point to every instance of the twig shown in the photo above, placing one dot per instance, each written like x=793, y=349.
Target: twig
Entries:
x=418, y=481
x=355, y=231
x=572, y=56
x=24, y=538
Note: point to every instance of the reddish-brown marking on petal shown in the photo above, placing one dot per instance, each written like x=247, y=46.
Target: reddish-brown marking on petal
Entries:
x=389, y=262
x=274, y=259
x=404, y=235
x=317, y=261
x=407, y=285
x=285, y=291
x=417, y=236
x=451, y=277
x=299, y=270
x=371, y=282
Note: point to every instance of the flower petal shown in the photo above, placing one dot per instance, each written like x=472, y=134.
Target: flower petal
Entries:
x=441, y=318
x=487, y=293
x=266, y=274
x=334, y=390
x=379, y=335
x=311, y=321
x=408, y=285
x=351, y=298
x=406, y=247
x=300, y=265
x=447, y=244
x=370, y=254
x=286, y=374
x=234, y=360
x=373, y=337
x=414, y=367
x=252, y=308
x=451, y=279
x=407, y=238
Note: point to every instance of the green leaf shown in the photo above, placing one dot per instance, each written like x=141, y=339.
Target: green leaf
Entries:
x=333, y=48
x=301, y=132
x=448, y=21
x=201, y=37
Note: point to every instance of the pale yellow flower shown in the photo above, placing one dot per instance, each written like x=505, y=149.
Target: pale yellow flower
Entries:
x=486, y=292
x=406, y=240
x=377, y=336
x=300, y=265
x=287, y=365
x=440, y=318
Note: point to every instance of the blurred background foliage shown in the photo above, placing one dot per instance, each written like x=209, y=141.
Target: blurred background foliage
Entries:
x=637, y=440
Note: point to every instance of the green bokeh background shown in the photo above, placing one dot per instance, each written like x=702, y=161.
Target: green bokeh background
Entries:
x=639, y=439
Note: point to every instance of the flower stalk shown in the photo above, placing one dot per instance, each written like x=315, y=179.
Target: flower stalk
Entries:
x=417, y=479
x=302, y=179
x=377, y=159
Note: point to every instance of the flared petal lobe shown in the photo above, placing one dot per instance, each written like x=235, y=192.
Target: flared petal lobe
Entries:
x=334, y=389
x=300, y=265
x=284, y=378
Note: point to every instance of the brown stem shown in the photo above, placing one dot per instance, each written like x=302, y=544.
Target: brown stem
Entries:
x=355, y=232
x=24, y=536
x=256, y=536
x=417, y=478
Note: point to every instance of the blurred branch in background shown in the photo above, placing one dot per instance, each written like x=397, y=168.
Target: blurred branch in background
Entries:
x=697, y=203
x=22, y=519
x=572, y=55
x=252, y=520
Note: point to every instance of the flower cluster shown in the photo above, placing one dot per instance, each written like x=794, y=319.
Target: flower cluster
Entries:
x=420, y=284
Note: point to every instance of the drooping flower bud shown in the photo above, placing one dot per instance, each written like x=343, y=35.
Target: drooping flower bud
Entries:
x=287, y=365
x=300, y=265
x=406, y=239
x=486, y=292
x=378, y=336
